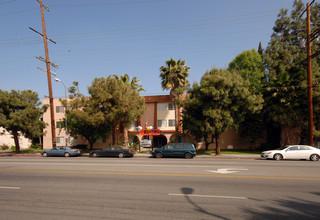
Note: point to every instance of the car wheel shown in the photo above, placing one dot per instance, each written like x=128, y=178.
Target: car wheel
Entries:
x=120, y=155
x=45, y=154
x=314, y=157
x=94, y=155
x=67, y=154
x=188, y=156
x=159, y=155
x=278, y=157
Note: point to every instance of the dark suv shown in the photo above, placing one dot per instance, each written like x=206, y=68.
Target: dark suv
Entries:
x=186, y=150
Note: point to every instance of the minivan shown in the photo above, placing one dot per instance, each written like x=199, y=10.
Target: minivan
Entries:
x=186, y=150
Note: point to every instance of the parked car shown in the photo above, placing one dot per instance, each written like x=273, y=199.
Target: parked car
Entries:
x=112, y=151
x=186, y=150
x=61, y=152
x=293, y=152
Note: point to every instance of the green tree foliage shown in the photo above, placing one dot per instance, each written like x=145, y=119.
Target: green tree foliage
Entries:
x=174, y=77
x=249, y=65
x=117, y=101
x=220, y=102
x=286, y=88
x=20, y=114
x=136, y=87
x=84, y=119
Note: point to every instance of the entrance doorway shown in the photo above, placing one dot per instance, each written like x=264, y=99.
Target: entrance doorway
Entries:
x=159, y=141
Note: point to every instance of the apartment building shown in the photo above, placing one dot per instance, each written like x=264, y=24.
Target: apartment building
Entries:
x=159, y=114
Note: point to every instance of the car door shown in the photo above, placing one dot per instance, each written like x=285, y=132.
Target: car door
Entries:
x=168, y=150
x=53, y=152
x=61, y=151
x=178, y=150
x=305, y=152
x=292, y=152
x=107, y=152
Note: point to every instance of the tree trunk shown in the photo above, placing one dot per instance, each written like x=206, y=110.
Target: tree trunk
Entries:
x=114, y=133
x=91, y=145
x=125, y=137
x=16, y=141
x=290, y=135
x=217, y=144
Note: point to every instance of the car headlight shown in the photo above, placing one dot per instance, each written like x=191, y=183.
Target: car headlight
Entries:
x=267, y=153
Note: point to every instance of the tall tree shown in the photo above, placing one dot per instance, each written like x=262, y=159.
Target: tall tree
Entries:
x=286, y=88
x=174, y=77
x=220, y=102
x=119, y=103
x=20, y=114
x=136, y=87
x=84, y=119
x=249, y=65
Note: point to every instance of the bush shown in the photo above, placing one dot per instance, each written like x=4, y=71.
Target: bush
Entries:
x=34, y=146
x=4, y=147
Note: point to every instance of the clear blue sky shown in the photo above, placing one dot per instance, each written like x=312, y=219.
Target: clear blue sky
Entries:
x=98, y=38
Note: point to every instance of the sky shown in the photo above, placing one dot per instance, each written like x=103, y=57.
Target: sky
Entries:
x=98, y=38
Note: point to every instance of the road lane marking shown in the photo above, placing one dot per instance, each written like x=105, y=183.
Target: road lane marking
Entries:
x=163, y=174
x=226, y=170
x=207, y=196
x=9, y=187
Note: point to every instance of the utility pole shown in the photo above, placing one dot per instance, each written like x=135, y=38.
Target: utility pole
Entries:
x=47, y=61
x=310, y=38
x=309, y=79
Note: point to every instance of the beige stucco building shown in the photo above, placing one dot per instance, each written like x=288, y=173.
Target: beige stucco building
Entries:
x=159, y=114
x=7, y=139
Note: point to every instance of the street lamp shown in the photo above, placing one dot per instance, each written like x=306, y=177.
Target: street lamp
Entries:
x=65, y=111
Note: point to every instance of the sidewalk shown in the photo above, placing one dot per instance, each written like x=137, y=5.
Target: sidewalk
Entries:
x=145, y=155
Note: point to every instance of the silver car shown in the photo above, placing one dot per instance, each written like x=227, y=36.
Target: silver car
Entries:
x=61, y=152
x=302, y=152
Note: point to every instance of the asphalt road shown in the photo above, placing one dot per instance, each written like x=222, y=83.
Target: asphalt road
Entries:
x=149, y=188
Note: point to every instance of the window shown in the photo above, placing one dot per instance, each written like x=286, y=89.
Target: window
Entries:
x=304, y=148
x=59, y=109
x=170, y=106
x=162, y=123
x=172, y=123
x=60, y=140
x=162, y=106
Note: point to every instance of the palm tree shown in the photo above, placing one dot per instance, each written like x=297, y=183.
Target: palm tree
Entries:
x=174, y=76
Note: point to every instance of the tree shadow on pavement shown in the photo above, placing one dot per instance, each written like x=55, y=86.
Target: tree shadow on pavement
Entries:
x=290, y=208
x=188, y=191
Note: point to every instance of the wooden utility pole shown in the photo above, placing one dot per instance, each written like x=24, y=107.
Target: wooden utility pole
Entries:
x=309, y=79
x=310, y=38
x=53, y=126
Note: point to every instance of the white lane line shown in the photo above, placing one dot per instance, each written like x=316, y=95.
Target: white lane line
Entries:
x=9, y=187
x=207, y=196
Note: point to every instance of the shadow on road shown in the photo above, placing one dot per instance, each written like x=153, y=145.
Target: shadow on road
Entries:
x=188, y=191
x=290, y=208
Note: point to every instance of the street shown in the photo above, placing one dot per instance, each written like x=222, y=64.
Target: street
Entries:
x=149, y=188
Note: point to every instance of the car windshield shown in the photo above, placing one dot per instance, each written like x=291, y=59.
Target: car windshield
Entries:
x=282, y=148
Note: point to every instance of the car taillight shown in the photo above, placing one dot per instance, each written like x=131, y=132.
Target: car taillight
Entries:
x=130, y=151
x=75, y=151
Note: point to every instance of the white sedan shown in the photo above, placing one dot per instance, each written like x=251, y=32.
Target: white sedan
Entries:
x=302, y=152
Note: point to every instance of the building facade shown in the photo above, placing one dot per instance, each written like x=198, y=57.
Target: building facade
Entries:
x=159, y=114
x=7, y=139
